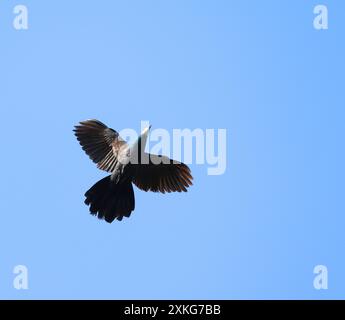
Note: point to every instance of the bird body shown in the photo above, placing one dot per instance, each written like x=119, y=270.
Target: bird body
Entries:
x=113, y=197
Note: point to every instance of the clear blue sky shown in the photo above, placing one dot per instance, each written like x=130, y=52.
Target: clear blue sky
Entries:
x=257, y=68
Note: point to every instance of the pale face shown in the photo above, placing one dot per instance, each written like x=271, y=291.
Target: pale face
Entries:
x=146, y=131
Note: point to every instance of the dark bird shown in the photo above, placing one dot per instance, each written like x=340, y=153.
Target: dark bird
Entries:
x=112, y=197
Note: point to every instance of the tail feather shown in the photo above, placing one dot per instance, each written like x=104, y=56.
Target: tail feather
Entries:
x=109, y=200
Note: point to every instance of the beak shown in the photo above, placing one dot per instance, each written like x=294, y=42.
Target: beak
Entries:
x=146, y=130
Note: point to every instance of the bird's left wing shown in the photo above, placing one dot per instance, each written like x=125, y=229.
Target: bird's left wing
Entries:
x=162, y=174
x=100, y=143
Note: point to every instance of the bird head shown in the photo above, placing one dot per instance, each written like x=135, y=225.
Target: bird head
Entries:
x=143, y=136
x=145, y=132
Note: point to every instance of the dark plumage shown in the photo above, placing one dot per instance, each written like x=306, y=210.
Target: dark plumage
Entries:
x=112, y=197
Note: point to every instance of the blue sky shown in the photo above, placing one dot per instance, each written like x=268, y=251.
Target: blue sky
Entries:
x=257, y=68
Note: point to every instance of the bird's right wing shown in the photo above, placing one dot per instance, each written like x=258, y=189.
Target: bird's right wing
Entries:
x=100, y=143
x=162, y=174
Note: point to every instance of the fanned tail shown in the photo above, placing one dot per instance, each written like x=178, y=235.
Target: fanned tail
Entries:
x=110, y=201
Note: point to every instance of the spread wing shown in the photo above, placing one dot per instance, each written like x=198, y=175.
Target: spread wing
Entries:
x=100, y=143
x=162, y=174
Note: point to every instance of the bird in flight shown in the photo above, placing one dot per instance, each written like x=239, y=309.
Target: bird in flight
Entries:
x=113, y=197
